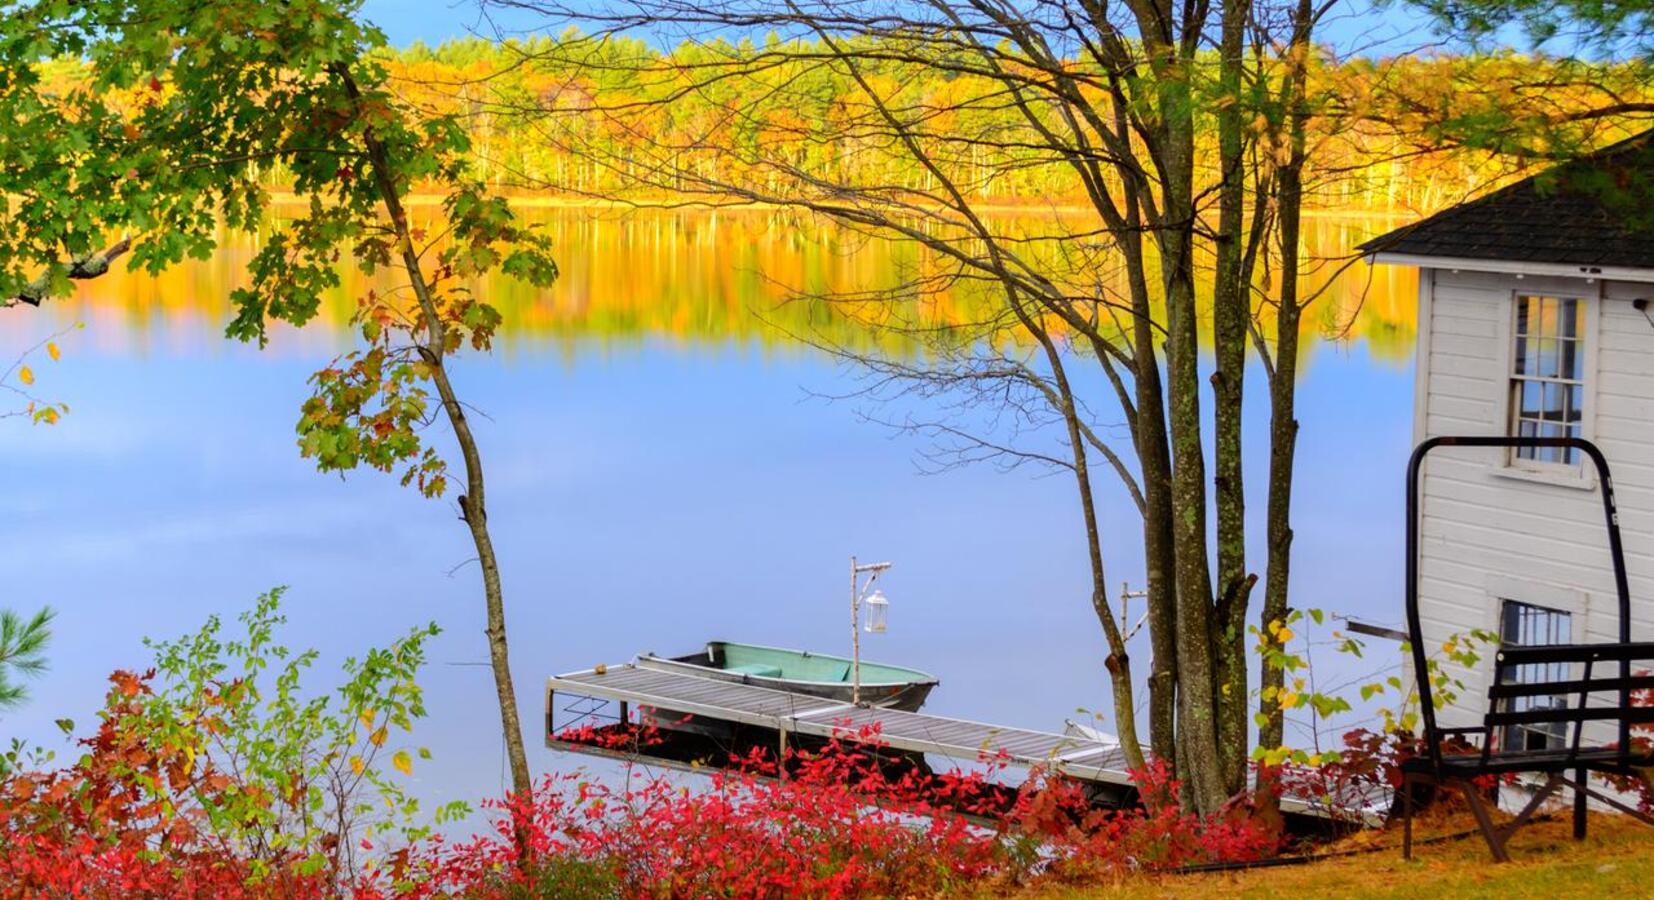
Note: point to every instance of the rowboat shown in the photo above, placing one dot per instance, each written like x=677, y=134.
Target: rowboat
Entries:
x=800, y=672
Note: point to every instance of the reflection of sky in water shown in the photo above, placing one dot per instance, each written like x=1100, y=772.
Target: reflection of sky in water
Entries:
x=645, y=497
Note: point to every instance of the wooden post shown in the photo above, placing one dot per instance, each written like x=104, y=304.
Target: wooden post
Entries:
x=855, y=637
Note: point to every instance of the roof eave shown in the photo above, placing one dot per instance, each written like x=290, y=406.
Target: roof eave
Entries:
x=1512, y=267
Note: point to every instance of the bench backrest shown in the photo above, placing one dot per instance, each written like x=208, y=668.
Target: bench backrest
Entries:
x=1592, y=669
x=1620, y=655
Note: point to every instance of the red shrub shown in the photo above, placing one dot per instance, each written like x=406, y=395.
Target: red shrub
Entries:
x=108, y=825
x=838, y=824
x=844, y=820
x=1642, y=743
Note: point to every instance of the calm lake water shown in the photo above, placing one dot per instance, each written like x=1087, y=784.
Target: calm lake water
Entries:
x=662, y=471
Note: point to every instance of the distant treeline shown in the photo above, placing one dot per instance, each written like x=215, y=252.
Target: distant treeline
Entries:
x=572, y=114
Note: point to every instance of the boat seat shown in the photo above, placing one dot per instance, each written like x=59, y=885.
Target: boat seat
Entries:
x=758, y=669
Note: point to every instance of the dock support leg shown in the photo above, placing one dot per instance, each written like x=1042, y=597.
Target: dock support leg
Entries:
x=781, y=755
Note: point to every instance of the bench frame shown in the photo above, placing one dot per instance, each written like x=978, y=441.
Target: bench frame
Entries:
x=1570, y=766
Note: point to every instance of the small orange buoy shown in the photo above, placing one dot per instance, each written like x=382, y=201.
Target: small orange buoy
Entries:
x=601, y=669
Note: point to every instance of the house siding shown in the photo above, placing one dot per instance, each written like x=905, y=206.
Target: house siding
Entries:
x=1489, y=534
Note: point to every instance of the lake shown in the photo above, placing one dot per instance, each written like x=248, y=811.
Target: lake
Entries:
x=662, y=470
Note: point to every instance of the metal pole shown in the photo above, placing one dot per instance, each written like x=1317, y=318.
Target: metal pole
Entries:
x=855, y=636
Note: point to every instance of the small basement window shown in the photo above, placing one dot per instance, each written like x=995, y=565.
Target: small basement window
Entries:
x=1548, y=377
x=1526, y=625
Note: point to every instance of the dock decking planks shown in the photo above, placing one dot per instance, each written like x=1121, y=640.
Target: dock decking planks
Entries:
x=957, y=739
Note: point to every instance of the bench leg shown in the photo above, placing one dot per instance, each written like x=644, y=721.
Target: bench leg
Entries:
x=1406, y=817
x=1478, y=808
x=1580, y=797
x=1580, y=788
x=1550, y=787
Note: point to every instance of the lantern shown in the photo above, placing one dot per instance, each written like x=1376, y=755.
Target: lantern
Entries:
x=876, y=613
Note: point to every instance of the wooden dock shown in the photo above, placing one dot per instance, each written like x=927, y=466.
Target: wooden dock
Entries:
x=958, y=741
x=606, y=695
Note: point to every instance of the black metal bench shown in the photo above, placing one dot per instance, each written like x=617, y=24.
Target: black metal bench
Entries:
x=1594, y=671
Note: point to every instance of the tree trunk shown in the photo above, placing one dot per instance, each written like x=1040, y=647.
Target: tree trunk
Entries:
x=472, y=504
x=1159, y=556
x=1231, y=311
x=1283, y=424
x=1118, y=662
x=1197, y=715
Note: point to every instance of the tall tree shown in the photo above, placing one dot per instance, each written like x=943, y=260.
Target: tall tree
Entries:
x=1168, y=114
x=143, y=129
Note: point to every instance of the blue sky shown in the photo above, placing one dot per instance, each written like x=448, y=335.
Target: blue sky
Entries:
x=1373, y=28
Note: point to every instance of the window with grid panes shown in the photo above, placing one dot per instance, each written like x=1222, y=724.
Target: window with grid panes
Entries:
x=1526, y=625
x=1548, y=377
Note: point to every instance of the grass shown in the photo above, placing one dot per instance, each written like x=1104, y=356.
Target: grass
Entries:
x=1616, y=860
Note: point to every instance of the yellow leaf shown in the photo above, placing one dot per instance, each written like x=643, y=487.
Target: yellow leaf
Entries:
x=367, y=718
x=403, y=762
x=377, y=738
x=25, y=375
x=356, y=765
x=52, y=351
x=1284, y=635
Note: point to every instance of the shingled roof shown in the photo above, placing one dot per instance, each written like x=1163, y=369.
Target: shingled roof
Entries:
x=1594, y=212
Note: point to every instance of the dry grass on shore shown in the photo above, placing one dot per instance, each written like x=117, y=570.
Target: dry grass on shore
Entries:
x=1615, y=861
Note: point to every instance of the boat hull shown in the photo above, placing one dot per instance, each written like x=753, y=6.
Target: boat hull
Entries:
x=827, y=677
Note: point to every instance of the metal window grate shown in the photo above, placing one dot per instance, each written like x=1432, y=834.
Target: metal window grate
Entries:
x=1526, y=625
x=1547, y=381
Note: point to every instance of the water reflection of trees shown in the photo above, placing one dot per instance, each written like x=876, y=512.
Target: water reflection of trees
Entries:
x=712, y=277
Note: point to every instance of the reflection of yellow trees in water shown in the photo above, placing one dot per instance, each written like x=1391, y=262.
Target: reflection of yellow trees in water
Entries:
x=703, y=277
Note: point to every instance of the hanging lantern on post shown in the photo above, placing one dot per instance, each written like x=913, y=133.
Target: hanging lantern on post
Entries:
x=877, y=612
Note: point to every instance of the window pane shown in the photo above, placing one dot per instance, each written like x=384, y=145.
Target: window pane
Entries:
x=1555, y=396
x=1525, y=625
x=1549, y=356
x=1545, y=358
x=1532, y=393
x=1527, y=428
x=1552, y=430
x=1570, y=319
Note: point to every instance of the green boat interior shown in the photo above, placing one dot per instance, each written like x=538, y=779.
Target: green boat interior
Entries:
x=795, y=665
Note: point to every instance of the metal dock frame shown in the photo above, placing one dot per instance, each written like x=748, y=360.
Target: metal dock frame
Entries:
x=1099, y=764
x=787, y=713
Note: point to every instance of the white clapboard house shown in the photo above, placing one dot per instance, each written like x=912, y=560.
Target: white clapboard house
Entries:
x=1536, y=317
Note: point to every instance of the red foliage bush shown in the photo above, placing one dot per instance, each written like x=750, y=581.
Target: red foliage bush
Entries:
x=843, y=820
x=1640, y=786
x=103, y=828
x=836, y=824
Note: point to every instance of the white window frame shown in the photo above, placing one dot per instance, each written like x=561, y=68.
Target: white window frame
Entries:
x=1589, y=293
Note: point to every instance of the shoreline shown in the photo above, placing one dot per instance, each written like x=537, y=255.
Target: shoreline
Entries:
x=666, y=205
